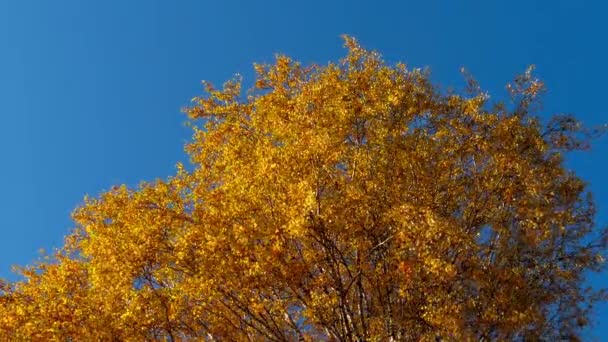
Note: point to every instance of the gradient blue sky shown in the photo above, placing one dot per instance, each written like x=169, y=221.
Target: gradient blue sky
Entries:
x=91, y=91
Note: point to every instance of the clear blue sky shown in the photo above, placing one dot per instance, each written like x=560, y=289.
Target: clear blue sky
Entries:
x=91, y=91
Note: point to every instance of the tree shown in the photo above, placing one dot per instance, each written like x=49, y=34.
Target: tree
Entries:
x=347, y=202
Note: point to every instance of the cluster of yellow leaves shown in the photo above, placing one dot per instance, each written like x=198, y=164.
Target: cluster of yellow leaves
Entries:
x=347, y=202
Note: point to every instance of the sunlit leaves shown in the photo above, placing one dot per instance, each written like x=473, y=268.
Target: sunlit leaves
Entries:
x=352, y=201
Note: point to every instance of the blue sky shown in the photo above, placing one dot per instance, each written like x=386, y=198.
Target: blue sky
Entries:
x=91, y=91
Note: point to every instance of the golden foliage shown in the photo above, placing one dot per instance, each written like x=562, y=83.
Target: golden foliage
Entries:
x=346, y=202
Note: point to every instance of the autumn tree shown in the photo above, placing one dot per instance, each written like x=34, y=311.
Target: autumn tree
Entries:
x=348, y=202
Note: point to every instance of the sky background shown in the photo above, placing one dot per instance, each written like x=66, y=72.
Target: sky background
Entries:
x=91, y=91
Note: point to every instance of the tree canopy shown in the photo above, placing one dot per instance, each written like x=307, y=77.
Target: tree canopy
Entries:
x=353, y=201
